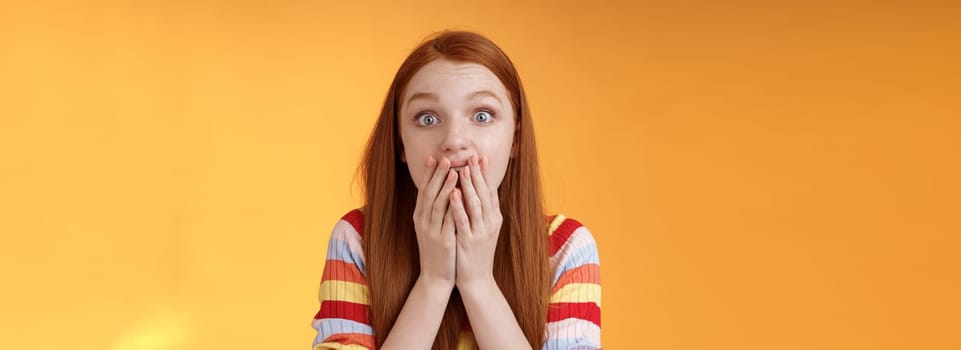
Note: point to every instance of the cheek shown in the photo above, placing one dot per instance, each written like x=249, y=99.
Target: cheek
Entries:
x=495, y=173
x=419, y=172
x=416, y=174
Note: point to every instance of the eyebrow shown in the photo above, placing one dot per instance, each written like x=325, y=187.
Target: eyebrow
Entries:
x=434, y=97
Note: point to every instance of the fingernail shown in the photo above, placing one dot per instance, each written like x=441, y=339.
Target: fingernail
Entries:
x=484, y=162
x=430, y=161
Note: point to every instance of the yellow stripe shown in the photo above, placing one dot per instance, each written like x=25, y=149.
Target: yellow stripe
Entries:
x=578, y=293
x=344, y=291
x=555, y=223
x=335, y=346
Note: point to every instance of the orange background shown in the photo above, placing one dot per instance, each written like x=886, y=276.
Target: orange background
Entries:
x=757, y=175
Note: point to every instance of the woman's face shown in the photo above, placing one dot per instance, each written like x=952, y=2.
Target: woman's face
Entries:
x=456, y=110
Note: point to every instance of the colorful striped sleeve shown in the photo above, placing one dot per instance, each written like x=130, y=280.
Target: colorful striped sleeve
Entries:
x=342, y=321
x=574, y=313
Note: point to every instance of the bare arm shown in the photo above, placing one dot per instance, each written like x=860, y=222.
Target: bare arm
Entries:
x=420, y=318
x=491, y=317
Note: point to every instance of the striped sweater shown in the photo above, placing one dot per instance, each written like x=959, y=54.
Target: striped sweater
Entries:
x=574, y=313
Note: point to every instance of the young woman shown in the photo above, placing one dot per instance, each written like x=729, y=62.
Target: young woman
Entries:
x=452, y=249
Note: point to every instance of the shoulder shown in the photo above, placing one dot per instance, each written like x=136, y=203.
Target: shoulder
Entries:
x=573, y=250
x=345, y=239
x=567, y=234
x=350, y=226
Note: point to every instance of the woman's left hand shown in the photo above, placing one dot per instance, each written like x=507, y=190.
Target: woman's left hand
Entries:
x=477, y=220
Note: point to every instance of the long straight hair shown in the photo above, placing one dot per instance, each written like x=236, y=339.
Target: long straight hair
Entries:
x=521, y=262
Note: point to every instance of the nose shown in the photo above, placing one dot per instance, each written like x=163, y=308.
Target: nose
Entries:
x=456, y=137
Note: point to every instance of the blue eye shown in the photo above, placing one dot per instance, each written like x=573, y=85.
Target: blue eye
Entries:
x=426, y=119
x=482, y=116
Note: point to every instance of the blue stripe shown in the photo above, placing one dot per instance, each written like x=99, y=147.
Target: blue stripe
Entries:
x=339, y=250
x=586, y=254
x=330, y=326
x=570, y=344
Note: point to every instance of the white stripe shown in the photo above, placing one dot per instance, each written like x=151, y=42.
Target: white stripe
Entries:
x=574, y=328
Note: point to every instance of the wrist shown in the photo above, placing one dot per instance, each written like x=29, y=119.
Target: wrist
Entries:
x=434, y=284
x=478, y=286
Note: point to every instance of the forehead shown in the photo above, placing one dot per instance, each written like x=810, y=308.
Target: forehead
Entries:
x=445, y=77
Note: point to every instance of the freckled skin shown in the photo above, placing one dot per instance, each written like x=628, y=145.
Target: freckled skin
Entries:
x=456, y=130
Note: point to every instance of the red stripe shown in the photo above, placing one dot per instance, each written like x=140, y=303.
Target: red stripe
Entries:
x=584, y=311
x=337, y=270
x=343, y=309
x=562, y=233
x=356, y=219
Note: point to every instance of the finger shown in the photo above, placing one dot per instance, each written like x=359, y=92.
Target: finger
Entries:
x=495, y=200
x=430, y=165
x=447, y=230
x=436, y=181
x=439, y=204
x=461, y=221
x=480, y=184
x=472, y=200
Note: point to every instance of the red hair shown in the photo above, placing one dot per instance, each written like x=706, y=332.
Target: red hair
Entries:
x=521, y=266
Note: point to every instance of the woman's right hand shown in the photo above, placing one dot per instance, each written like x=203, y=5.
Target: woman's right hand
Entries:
x=434, y=223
